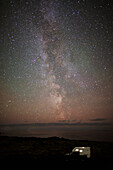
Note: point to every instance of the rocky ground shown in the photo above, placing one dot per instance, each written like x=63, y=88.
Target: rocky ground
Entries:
x=43, y=153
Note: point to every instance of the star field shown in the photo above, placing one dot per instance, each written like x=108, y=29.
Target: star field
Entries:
x=56, y=61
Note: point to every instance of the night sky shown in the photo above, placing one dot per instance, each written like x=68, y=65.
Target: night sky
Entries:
x=56, y=61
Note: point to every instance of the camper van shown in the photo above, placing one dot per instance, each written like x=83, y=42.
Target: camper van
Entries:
x=84, y=151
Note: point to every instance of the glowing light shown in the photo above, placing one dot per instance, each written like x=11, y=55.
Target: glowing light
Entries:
x=81, y=151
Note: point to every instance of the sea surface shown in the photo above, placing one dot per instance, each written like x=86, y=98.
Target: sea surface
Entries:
x=90, y=133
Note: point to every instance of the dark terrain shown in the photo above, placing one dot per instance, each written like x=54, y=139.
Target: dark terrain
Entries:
x=43, y=153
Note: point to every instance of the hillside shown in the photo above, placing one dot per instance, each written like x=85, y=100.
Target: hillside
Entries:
x=50, y=153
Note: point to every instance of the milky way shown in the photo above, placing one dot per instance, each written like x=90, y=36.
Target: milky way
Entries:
x=56, y=61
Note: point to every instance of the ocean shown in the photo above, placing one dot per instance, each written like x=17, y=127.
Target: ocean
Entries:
x=91, y=133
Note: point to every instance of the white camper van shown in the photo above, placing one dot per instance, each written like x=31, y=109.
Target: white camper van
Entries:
x=83, y=151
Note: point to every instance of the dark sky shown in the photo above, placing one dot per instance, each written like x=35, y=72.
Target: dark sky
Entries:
x=56, y=61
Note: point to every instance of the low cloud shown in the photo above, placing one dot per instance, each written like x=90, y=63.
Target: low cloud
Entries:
x=98, y=119
x=63, y=121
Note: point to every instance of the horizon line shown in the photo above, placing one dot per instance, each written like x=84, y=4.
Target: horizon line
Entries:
x=60, y=124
